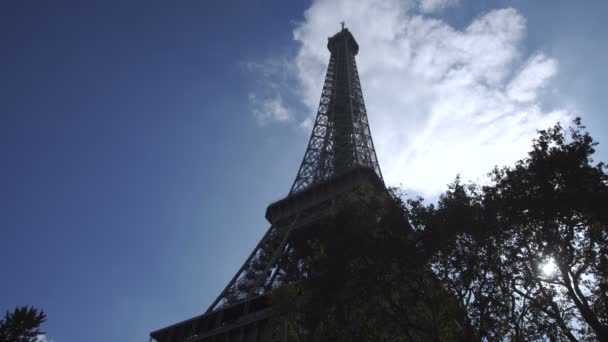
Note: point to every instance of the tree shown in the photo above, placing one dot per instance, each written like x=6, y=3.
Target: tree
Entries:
x=523, y=257
x=369, y=282
x=22, y=325
x=526, y=255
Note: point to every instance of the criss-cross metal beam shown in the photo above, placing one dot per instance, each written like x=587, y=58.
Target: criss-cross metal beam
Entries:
x=340, y=142
x=340, y=156
x=341, y=138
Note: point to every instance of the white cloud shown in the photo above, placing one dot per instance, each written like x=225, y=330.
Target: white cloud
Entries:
x=441, y=101
x=534, y=76
x=269, y=109
x=276, y=77
x=429, y=6
x=307, y=124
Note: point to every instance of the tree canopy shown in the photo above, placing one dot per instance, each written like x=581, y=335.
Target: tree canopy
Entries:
x=522, y=257
x=22, y=325
x=370, y=283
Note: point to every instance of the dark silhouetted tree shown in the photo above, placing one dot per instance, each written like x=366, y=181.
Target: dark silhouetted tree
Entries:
x=22, y=325
x=369, y=281
x=523, y=257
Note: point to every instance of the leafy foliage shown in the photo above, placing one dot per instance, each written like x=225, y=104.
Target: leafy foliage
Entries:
x=471, y=267
x=371, y=283
x=488, y=244
x=22, y=325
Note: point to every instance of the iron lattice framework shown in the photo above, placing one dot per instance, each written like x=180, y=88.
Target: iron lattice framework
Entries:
x=340, y=139
x=340, y=142
x=339, y=158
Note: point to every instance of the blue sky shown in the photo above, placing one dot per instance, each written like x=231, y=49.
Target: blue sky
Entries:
x=141, y=142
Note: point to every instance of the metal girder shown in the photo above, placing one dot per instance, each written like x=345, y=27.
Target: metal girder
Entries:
x=341, y=138
x=340, y=156
x=340, y=142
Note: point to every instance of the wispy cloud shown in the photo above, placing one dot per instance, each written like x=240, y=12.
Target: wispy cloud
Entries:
x=269, y=109
x=429, y=6
x=534, y=75
x=275, y=80
x=43, y=338
x=441, y=101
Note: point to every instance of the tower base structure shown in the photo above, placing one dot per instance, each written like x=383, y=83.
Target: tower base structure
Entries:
x=249, y=320
x=245, y=321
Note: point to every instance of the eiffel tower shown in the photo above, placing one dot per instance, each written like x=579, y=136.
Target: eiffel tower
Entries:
x=340, y=157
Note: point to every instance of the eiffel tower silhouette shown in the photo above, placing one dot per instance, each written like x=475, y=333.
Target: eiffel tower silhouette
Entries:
x=340, y=157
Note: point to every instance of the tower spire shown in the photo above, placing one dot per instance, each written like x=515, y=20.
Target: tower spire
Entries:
x=341, y=138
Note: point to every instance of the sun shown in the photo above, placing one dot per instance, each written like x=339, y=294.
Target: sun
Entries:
x=548, y=267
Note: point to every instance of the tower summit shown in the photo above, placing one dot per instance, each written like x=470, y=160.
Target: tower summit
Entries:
x=339, y=158
x=340, y=139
